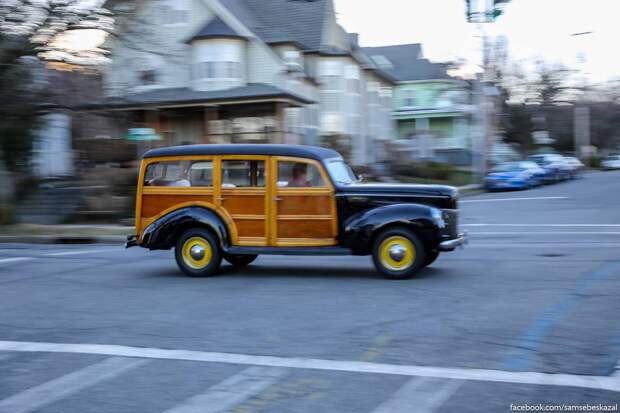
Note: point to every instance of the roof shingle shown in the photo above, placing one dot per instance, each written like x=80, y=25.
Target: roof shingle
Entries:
x=406, y=62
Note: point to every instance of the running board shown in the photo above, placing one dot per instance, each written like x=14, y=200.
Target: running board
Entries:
x=289, y=251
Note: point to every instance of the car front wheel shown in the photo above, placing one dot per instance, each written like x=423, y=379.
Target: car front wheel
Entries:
x=431, y=256
x=398, y=253
x=197, y=253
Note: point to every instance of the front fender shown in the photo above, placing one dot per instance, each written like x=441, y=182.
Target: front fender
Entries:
x=360, y=229
x=163, y=233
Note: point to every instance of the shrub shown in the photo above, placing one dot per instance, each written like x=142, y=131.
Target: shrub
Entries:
x=427, y=170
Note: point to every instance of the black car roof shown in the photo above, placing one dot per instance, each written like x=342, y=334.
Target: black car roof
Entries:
x=301, y=151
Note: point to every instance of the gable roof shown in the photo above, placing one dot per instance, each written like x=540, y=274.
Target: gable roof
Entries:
x=216, y=28
x=404, y=62
x=280, y=21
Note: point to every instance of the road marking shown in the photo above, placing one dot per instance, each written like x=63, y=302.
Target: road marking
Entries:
x=232, y=391
x=534, y=198
x=14, y=259
x=557, y=245
x=57, y=254
x=541, y=225
x=80, y=252
x=545, y=233
x=420, y=395
x=525, y=377
x=69, y=384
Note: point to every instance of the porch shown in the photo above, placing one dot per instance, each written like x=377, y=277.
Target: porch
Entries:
x=248, y=114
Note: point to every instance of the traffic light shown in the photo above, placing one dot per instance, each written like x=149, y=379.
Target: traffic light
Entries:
x=497, y=8
x=468, y=10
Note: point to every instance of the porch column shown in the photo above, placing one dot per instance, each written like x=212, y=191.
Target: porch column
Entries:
x=151, y=118
x=210, y=114
x=280, y=132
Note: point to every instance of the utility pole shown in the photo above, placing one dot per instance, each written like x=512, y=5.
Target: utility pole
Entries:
x=581, y=110
x=480, y=12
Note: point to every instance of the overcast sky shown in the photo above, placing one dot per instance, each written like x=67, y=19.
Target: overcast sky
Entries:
x=534, y=29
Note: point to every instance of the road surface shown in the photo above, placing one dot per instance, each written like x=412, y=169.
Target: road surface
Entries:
x=527, y=313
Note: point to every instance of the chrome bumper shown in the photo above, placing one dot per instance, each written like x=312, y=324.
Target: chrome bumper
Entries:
x=132, y=241
x=452, y=244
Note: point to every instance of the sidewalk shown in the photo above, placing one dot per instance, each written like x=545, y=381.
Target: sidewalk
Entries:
x=64, y=234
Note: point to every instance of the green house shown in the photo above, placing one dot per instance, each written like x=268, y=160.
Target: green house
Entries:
x=432, y=110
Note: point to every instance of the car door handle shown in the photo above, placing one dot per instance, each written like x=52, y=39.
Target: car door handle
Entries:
x=277, y=198
x=220, y=198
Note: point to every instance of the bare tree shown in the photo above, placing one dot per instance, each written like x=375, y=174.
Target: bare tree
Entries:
x=30, y=35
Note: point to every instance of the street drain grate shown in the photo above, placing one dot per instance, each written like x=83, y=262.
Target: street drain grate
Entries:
x=552, y=255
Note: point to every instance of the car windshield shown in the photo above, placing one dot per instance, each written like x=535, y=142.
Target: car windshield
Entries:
x=340, y=172
x=508, y=167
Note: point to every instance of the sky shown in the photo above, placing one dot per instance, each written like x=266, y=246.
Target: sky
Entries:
x=534, y=29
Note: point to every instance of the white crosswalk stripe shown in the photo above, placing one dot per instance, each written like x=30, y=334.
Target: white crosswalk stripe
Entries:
x=232, y=391
x=420, y=395
x=61, y=387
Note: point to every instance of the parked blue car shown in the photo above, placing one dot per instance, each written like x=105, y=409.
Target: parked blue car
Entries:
x=515, y=175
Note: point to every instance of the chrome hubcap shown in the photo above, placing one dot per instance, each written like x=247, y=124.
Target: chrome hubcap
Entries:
x=397, y=252
x=197, y=252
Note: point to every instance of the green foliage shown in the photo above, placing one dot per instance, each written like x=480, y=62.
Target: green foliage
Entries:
x=16, y=140
x=426, y=170
x=593, y=161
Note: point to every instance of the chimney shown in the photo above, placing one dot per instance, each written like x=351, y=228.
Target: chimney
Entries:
x=354, y=39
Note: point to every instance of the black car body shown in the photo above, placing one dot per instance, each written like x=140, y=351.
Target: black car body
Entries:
x=404, y=227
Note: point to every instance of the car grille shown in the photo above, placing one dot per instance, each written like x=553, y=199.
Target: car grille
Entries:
x=451, y=218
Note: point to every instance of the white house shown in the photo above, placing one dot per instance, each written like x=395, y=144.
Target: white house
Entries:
x=206, y=71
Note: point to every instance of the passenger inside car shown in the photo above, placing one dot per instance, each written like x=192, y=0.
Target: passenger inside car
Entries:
x=300, y=176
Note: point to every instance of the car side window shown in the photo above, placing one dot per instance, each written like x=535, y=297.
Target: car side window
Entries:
x=293, y=174
x=179, y=174
x=243, y=174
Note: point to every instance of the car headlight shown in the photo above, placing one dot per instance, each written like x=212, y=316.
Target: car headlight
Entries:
x=437, y=217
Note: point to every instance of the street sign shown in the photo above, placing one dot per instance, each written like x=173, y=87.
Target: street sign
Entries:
x=142, y=135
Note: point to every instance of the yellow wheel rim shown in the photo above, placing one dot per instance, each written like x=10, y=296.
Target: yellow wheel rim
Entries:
x=196, y=253
x=397, y=253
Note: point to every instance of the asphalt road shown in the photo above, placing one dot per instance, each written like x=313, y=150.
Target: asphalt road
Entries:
x=527, y=313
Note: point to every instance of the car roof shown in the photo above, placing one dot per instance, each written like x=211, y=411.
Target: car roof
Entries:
x=301, y=151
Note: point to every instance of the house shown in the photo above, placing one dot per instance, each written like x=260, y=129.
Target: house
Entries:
x=432, y=110
x=217, y=71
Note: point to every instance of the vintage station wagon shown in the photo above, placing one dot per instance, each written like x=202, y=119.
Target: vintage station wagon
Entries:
x=235, y=202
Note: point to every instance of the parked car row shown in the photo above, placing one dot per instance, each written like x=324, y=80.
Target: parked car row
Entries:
x=535, y=171
x=611, y=162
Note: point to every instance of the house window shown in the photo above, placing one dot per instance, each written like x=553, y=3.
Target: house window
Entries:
x=218, y=70
x=147, y=77
x=292, y=58
x=408, y=98
x=331, y=83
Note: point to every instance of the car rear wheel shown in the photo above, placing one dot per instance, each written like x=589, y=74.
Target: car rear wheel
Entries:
x=197, y=253
x=240, y=260
x=398, y=253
